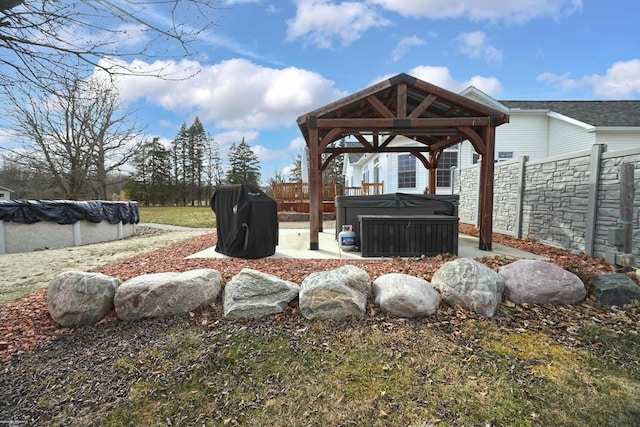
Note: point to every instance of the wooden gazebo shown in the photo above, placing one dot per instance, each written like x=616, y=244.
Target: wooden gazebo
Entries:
x=402, y=105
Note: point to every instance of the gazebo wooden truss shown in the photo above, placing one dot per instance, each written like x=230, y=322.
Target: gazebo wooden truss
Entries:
x=403, y=105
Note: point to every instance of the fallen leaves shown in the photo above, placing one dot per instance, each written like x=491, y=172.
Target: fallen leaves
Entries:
x=25, y=323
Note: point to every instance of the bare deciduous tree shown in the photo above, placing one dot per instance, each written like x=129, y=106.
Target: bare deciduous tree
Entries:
x=45, y=39
x=79, y=135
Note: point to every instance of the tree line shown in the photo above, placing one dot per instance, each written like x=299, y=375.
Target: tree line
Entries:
x=79, y=142
x=189, y=170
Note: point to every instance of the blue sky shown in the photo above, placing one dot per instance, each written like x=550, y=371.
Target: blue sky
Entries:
x=267, y=62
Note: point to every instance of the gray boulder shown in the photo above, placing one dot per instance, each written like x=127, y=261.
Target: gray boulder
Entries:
x=166, y=294
x=541, y=282
x=251, y=293
x=470, y=284
x=614, y=289
x=78, y=298
x=405, y=296
x=335, y=294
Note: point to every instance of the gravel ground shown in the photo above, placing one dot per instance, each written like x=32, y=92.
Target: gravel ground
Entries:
x=25, y=272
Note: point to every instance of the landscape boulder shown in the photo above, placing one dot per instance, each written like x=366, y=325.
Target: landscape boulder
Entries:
x=335, y=294
x=405, y=296
x=470, y=284
x=78, y=298
x=251, y=293
x=541, y=282
x=166, y=294
x=614, y=289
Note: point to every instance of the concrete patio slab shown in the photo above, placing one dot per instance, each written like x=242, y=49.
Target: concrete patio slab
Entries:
x=294, y=243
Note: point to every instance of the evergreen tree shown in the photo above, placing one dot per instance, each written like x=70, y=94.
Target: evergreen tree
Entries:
x=333, y=172
x=160, y=165
x=196, y=147
x=244, y=165
x=213, y=166
x=150, y=184
x=179, y=163
x=295, y=175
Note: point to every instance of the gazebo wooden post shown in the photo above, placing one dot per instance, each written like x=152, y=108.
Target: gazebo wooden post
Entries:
x=320, y=195
x=486, y=189
x=315, y=186
x=432, y=178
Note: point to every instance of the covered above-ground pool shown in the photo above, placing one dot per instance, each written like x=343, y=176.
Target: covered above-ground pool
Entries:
x=29, y=225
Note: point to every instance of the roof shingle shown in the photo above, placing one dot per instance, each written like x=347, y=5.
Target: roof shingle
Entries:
x=595, y=113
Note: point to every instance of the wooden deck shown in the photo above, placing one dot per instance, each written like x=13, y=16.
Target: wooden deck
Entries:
x=294, y=196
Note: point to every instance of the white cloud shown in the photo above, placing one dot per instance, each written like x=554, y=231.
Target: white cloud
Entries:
x=404, y=45
x=622, y=80
x=266, y=154
x=563, y=81
x=297, y=144
x=235, y=137
x=234, y=94
x=321, y=22
x=475, y=45
x=441, y=76
x=287, y=170
x=6, y=137
x=509, y=11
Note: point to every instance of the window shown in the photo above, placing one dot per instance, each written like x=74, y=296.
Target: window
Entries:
x=443, y=173
x=376, y=171
x=505, y=155
x=365, y=176
x=406, y=171
x=476, y=158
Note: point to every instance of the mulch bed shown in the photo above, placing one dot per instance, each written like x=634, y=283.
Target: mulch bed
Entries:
x=25, y=324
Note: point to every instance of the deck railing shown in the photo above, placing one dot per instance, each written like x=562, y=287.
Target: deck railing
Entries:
x=294, y=196
x=299, y=191
x=365, y=189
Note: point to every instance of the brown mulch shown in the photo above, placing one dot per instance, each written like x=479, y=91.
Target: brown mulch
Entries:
x=25, y=323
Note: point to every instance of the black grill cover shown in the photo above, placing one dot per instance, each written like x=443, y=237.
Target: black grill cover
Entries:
x=246, y=221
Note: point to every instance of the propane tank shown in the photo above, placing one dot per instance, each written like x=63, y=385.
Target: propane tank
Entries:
x=347, y=238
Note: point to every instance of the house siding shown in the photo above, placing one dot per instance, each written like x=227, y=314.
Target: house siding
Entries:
x=526, y=134
x=618, y=140
x=568, y=138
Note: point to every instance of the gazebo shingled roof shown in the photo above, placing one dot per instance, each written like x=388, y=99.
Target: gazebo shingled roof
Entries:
x=402, y=105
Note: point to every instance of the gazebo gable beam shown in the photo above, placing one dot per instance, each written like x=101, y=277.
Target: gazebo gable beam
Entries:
x=373, y=124
x=475, y=139
x=418, y=155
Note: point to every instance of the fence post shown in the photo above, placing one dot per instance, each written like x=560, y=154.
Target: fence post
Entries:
x=626, y=205
x=520, y=196
x=592, y=201
x=479, y=183
x=453, y=178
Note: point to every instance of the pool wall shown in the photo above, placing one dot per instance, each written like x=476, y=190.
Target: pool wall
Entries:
x=22, y=230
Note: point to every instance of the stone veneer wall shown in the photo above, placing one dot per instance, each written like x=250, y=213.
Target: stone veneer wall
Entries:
x=608, y=211
x=555, y=201
x=548, y=200
x=466, y=186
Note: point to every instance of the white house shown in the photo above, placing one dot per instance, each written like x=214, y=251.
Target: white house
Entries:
x=537, y=129
x=5, y=193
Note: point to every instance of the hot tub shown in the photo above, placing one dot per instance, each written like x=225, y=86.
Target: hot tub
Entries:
x=28, y=225
x=348, y=208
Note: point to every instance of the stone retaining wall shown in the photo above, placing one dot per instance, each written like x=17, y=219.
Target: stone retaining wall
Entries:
x=557, y=201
